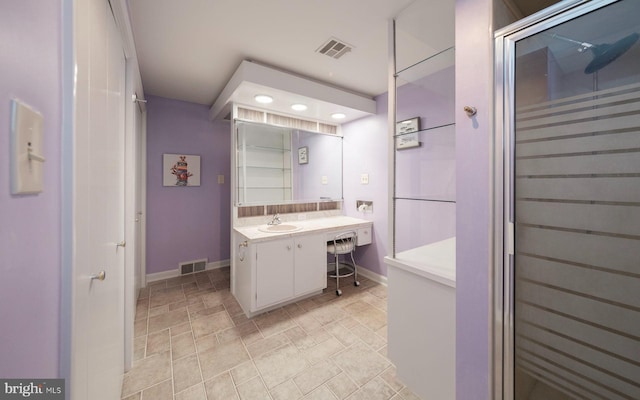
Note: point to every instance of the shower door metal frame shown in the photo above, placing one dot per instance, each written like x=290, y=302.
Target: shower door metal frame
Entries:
x=504, y=243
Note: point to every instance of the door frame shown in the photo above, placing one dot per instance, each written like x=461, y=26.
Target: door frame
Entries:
x=135, y=176
x=503, y=229
x=135, y=185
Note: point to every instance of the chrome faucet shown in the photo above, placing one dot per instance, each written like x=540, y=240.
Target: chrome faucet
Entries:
x=275, y=221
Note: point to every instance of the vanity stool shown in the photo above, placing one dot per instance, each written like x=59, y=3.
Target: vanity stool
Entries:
x=343, y=244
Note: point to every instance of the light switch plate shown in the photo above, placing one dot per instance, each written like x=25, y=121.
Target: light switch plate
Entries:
x=26, y=149
x=324, y=180
x=220, y=179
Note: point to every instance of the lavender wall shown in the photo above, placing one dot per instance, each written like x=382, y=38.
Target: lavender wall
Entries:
x=186, y=223
x=365, y=151
x=474, y=145
x=30, y=44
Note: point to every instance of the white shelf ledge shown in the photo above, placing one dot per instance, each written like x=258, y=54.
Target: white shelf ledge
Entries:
x=435, y=261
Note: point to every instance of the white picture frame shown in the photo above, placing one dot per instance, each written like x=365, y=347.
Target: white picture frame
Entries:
x=180, y=170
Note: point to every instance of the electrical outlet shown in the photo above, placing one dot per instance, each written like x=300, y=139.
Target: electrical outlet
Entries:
x=364, y=179
x=324, y=180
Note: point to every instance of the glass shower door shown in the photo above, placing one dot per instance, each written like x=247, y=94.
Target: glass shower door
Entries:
x=575, y=207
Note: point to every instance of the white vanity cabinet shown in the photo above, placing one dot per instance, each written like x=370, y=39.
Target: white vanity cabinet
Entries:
x=287, y=268
x=274, y=272
x=269, y=270
x=310, y=264
x=270, y=273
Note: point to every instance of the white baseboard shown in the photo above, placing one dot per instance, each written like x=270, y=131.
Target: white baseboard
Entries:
x=172, y=273
x=158, y=276
x=218, y=264
x=367, y=273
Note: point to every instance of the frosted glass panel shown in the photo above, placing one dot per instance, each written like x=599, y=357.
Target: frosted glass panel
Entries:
x=577, y=209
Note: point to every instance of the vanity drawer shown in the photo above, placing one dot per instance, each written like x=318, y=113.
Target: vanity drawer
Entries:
x=364, y=236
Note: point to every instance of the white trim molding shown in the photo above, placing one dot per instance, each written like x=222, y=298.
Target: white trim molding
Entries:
x=173, y=273
x=374, y=276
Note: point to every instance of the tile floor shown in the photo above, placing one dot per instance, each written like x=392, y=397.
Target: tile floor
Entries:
x=193, y=342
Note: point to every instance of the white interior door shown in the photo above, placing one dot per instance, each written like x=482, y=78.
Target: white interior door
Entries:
x=98, y=305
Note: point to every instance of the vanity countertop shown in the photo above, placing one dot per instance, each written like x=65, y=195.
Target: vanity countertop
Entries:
x=316, y=225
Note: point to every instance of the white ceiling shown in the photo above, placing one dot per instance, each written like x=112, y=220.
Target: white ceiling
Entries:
x=189, y=49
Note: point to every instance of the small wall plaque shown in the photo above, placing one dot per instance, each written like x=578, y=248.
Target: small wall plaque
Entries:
x=303, y=155
x=407, y=133
x=408, y=126
x=407, y=141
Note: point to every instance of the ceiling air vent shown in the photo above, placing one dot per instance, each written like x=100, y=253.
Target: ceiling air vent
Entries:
x=334, y=48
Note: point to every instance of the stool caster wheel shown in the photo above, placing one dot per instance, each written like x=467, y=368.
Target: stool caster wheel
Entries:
x=356, y=283
x=338, y=292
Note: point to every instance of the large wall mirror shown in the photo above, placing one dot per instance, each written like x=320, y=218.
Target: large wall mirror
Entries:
x=277, y=165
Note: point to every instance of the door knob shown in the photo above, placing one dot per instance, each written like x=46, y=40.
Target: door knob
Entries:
x=100, y=276
x=121, y=244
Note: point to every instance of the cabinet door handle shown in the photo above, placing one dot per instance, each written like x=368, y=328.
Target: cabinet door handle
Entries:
x=299, y=245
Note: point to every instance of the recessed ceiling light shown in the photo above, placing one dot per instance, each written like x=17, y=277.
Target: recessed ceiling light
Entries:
x=338, y=116
x=264, y=99
x=298, y=107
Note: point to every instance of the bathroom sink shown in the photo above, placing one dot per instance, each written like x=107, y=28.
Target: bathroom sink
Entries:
x=282, y=228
